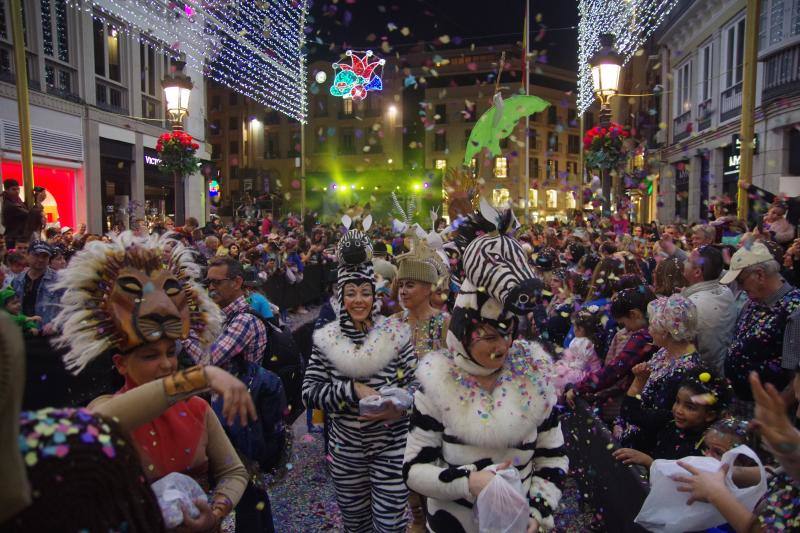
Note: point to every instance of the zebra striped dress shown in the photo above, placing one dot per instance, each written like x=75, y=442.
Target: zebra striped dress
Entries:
x=366, y=458
x=458, y=428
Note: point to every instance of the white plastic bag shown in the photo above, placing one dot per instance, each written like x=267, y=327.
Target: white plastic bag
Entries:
x=502, y=507
x=172, y=490
x=665, y=509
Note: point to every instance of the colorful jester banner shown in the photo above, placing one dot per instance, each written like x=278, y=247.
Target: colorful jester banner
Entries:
x=359, y=77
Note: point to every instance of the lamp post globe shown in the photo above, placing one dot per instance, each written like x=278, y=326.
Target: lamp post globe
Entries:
x=177, y=89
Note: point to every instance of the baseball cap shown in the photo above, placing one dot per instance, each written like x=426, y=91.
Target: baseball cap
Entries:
x=40, y=247
x=746, y=256
x=65, y=229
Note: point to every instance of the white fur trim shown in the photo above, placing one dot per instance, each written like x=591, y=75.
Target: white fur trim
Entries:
x=383, y=343
x=520, y=404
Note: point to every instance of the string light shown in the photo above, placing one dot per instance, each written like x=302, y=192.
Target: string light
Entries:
x=254, y=48
x=630, y=21
x=359, y=77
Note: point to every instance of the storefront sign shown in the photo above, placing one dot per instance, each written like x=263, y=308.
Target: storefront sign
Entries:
x=733, y=155
x=151, y=160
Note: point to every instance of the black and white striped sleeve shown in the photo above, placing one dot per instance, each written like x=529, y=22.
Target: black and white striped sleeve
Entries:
x=407, y=365
x=550, y=466
x=422, y=470
x=322, y=391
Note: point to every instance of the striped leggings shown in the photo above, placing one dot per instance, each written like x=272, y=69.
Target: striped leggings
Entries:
x=369, y=486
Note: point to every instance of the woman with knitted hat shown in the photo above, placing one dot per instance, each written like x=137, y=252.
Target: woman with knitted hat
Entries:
x=418, y=273
x=355, y=362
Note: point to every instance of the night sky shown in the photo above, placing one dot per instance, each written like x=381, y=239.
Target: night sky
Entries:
x=410, y=25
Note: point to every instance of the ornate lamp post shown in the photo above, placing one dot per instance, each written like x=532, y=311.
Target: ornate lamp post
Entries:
x=177, y=89
x=606, y=65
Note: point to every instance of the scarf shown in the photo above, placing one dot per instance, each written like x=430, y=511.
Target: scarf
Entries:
x=170, y=441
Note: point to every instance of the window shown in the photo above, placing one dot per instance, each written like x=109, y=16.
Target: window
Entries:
x=552, y=115
x=233, y=147
x=440, y=113
x=347, y=107
x=153, y=65
x=770, y=23
x=552, y=142
x=216, y=151
x=574, y=144
x=533, y=197
x=440, y=141
x=215, y=127
x=216, y=104
x=551, y=171
x=55, y=36
x=107, y=54
x=440, y=164
x=795, y=25
x=706, y=74
x=734, y=54
x=233, y=123
x=552, y=199
x=500, y=197
x=271, y=146
x=534, y=167
x=683, y=85
x=572, y=169
x=233, y=98
x=294, y=147
x=572, y=118
x=500, y=167
x=348, y=141
x=570, y=197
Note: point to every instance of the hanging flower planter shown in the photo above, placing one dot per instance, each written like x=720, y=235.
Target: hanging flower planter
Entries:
x=604, y=147
x=177, y=152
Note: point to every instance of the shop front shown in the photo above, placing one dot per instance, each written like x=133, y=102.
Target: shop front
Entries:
x=116, y=167
x=159, y=189
x=60, y=183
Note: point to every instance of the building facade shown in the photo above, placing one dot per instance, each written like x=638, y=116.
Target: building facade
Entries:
x=702, y=48
x=97, y=109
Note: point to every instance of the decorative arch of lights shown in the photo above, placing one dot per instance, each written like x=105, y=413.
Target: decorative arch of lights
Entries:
x=630, y=21
x=254, y=47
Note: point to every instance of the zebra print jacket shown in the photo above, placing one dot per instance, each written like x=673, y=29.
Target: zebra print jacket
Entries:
x=385, y=359
x=458, y=428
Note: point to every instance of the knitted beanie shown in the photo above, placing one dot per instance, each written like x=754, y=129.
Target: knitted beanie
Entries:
x=417, y=270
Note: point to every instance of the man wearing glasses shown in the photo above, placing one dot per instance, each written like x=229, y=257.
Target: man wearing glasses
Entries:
x=243, y=334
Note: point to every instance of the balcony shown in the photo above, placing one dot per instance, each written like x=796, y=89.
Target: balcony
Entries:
x=730, y=103
x=111, y=97
x=781, y=74
x=704, y=112
x=61, y=80
x=681, y=126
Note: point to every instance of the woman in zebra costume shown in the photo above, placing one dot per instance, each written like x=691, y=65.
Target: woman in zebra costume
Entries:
x=487, y=400
x=352, y=359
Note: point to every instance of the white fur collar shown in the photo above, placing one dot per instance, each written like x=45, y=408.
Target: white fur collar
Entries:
x=382, y=344
x=514, y=409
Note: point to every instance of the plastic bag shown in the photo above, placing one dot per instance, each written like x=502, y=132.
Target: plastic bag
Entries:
x=401, y=398
x=172, y=490
x=665, y=509
x=502, y=507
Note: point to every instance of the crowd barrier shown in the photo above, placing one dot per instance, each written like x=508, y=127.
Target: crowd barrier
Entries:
x=617, y=491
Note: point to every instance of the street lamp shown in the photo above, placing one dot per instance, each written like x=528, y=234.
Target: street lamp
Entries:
x=606, y=65
x=177, y=88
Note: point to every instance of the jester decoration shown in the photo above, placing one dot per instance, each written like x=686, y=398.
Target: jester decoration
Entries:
x=359, y=77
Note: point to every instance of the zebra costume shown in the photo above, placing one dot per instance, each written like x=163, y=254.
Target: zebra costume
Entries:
x=366, y=457
x=456, y=426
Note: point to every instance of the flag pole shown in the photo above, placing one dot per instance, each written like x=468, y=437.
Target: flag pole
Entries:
x=526, y=81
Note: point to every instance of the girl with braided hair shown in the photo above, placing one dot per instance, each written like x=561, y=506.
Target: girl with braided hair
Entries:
x=353, y=358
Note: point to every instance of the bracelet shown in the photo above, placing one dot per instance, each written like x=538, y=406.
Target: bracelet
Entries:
x=186, y=381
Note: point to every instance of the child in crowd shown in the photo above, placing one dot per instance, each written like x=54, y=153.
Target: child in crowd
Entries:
x=580, y=359
x=673, y=326
x=680, y=431
x=11, y=304
x=725, y=434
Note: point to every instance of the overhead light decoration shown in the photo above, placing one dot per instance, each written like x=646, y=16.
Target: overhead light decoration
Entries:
x=630, y=21
x=361, y=76
x=213, y=188
x=254, y=48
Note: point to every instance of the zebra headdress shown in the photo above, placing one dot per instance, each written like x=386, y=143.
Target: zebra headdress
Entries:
x=354, y=253
x=497, y=283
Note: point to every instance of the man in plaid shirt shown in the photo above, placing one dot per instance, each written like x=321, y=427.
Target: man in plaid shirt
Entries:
x=243, y=334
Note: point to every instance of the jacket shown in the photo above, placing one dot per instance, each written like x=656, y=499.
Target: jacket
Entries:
x=716, y=318
x=48, y=300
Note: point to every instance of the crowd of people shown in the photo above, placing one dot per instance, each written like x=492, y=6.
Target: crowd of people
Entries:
x=440, y=360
